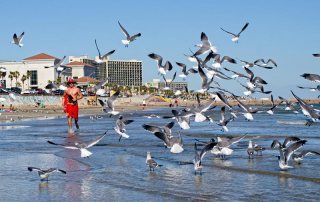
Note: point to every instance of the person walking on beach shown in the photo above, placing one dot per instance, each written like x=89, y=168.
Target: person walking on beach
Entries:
x=70, y=103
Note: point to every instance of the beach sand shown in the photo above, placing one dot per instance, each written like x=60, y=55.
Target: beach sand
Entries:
x=123, y=104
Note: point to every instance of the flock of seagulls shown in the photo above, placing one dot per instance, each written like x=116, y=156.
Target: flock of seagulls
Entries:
x=210, y=75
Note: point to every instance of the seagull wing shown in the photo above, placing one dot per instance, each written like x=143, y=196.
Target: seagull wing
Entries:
x=95, y=41
x=290, y=139
x=93, y=142
x=292, y=148
x=206, y=148
x=34, y=168
x=124, y=30
x=15, y=38
x=151, y=128
x=21, y=37
x=64, y=145
x=112, y=99
x=107, y=54
x=308, y=152
x=163, y=137
x=228, y=32
x=183, y=67
x=243, y=28
x=135, y=36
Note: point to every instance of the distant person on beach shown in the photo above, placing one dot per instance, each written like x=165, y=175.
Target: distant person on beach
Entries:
x=70, y=103
x=143, y=104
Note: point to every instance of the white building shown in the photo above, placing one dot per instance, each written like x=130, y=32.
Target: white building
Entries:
x=80, y=69
x=39, y=75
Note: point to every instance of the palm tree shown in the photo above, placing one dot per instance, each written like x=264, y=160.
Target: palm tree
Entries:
x=11, y=76
x=2, y=75
x=28, y=77
x=23, y=79
x=16, y=76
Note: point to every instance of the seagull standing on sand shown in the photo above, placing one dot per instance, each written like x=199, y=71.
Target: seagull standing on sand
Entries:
x=151, y=163
x=120, y=127
x=128, y=37
x=44, y=174
x=235, y=37
x=102, y=57
x=82, y=146
x=17, y=40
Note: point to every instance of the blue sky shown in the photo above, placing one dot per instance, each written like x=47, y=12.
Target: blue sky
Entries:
x=286, y=31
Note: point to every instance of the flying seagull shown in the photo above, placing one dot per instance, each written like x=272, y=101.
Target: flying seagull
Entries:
x=235, y=37
x=311, y=88
x=175, y=144
x=262, y=63
x=166, y=85
x=58, y=66
x=102, y=57
x=311, y=77
x=151, y=163
x=205, y=46
x=308, y=111
x=108, y=106
x=17, y=40
x=197, y=161
x=82, y=146
x=166, y=129
x=184, y=70
x=223, y=121
x=162, y=68
x=286, y=142
x=128, y=37
x=285, y=154
x=44, y=174
x=183, y=118
x=299, y=157
x=120, y=127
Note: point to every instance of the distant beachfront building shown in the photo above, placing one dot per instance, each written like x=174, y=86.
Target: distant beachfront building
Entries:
x=39, y=75
x=119, y=72
x=156, y=83
x=124, y=72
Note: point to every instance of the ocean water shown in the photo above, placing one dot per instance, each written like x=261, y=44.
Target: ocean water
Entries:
x=117, y=172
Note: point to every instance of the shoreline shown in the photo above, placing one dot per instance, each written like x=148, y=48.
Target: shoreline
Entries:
x=124, y=104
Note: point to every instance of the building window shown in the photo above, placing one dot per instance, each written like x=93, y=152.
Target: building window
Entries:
x=34, y=77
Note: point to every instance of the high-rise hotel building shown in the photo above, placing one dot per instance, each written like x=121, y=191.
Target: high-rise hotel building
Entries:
x=119, y=72
x=124, y=72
